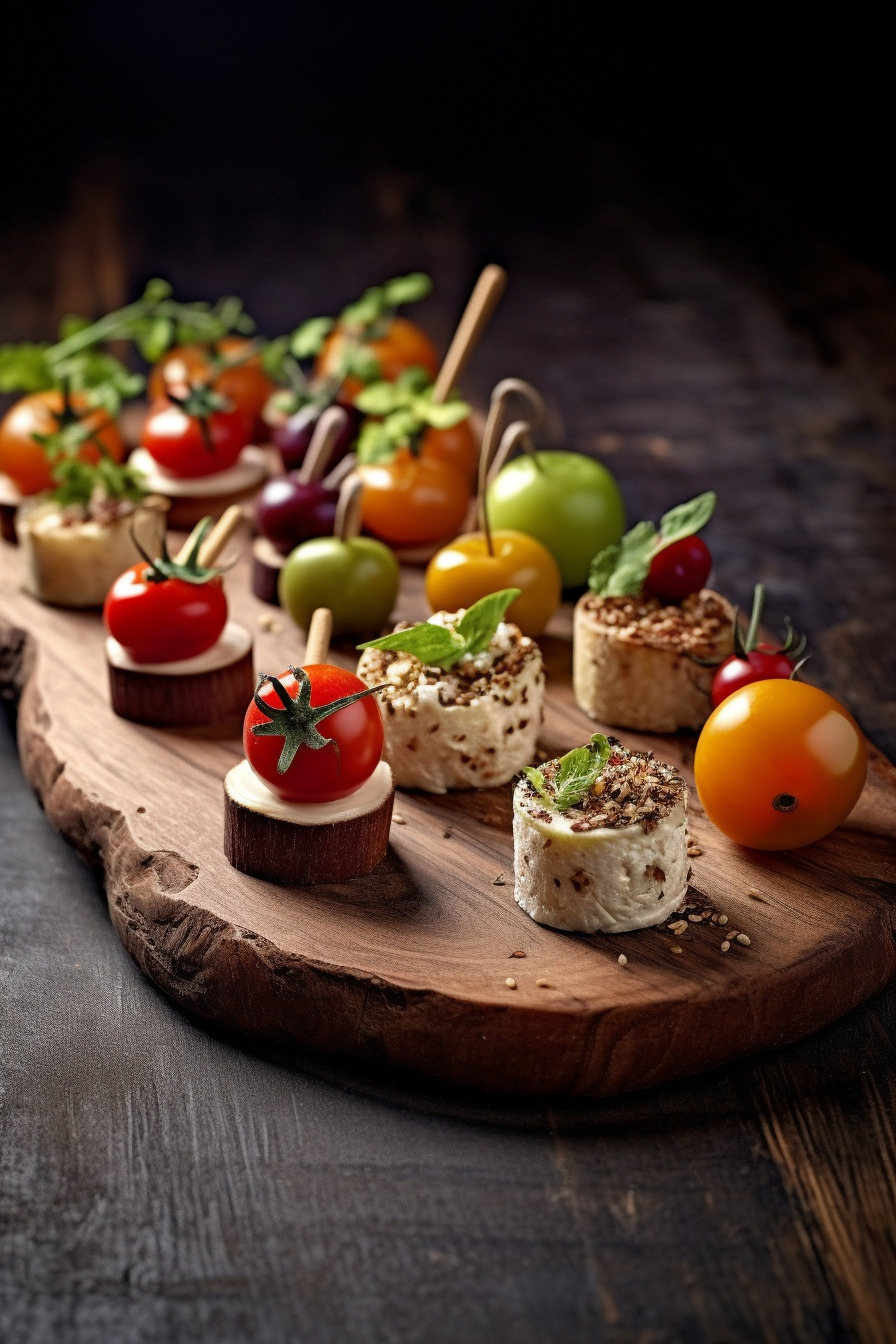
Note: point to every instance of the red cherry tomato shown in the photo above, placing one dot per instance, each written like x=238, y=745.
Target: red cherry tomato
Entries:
x=779, y=764
x=323, y=774
x=177, y=441
x=234, y=375
x=680, y=569
x=167, y=620
x=759, y=665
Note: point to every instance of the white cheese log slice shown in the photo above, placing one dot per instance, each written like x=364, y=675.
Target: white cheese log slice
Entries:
x=196, y=497
x=479, y=745
x=306, y=843
x=75, y=564
x=625, y=683
x=212, y=690
x=600, y=881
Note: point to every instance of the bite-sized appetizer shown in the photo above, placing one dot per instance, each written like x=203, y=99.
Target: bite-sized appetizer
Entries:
x=300, y=505
x=232, y=365
x=77, y=537
x=599, y=840
x=357, y=577
x=312, y=801
x=462, y=695
x=645, y=635
x=477, y=563
x=175, y=660
x=195, y=450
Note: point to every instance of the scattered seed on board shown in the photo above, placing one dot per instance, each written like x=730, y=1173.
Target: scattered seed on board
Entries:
x=754, y=894
x=518, y=953
x=742, y=938
x=694, y=852
x=499, y=881
x=678, y=926
x=723, y=919
x=510, y=982
x=676, y=949
x=446, y=835
x=269, y=623
x=543, y=984
x=623, y=959
x=398, y=819
x=725, y=946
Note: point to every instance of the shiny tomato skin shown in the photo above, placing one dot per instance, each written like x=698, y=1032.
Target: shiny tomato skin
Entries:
x=404, y=346
x=164, y=622
x=786, y=741
x=176, y=442
x=759, y=665
x=464, y=571
x=246, y=384
x=23, y=459
x=413, y=500
x=320, y=775
x=457, y=446
x=680, y=569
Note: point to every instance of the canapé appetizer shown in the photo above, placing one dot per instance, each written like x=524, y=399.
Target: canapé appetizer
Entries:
x=195, y=450
x=78, y=537
x=599, y=840
x=175, y=660
x=645, y=635
x=462, y=695
x=312, y=801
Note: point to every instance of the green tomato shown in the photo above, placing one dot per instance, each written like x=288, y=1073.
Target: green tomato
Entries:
x=569, y=502
x=356, y=579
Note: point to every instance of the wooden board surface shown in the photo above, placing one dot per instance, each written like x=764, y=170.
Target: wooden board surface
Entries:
x=408, y=967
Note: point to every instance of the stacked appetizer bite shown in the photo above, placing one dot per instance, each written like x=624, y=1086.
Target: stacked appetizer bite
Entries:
x=648, y=634
x=175, y=660
x=599, y=840
x=312, y=801
x=463, y=695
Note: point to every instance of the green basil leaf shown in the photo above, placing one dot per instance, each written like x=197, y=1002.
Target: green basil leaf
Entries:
x=686, y=519
x=358, y=361
x=25, y=368
x=434, y=645
x=308, y=339
x=576, y=774
x=155, y=338
x=416, y=379
x=71, y=323
x=406, y=289
x=478, y=624
x=620, y=570
x=380, y=399
x=365, y=311
x=443, y=416
x=374, y=444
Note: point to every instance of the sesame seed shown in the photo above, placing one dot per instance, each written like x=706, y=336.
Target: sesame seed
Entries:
x=676, y=949
x=510, y=982
x=398, y=819
x=623, y=959
x=725, y=945
x=743, y=939
x=543, y=984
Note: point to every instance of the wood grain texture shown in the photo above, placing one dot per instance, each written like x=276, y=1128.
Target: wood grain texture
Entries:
x=408, y=966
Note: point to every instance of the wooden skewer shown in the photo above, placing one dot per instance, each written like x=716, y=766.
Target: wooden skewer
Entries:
x=519, y=430
x=501, y=394
x=220, y=534
x=330, y=425
x=320, y=632
x=347, y=523
x=343, y=468
x=476, y=317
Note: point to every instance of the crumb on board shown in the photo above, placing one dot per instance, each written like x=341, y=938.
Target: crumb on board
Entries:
x=510, y=982
x=398, y=819
x=518, y=952
x=499, y=881
x=268, y=622
x=543, y=984
x=622, y=959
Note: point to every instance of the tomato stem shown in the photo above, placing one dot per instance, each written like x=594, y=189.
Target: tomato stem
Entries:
x=296, y=722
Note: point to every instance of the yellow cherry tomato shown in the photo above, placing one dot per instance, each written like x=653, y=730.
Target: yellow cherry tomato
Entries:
x=779, y=764
x=459, y=574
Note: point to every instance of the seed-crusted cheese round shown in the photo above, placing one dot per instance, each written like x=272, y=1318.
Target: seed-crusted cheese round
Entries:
x=616, y=862
x=470, y=727
x=634, y=659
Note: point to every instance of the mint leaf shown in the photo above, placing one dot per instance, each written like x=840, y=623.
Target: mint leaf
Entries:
x=539, y=783
x=435, y=645
x=620, y=570
x=574, y=776
x=406, y=289
x=686, y=519
x=380, y=399
x=478, y=624
x=308, y=339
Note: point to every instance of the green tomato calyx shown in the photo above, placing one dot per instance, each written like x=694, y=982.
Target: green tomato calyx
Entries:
x=296, y=722
x=188, y=570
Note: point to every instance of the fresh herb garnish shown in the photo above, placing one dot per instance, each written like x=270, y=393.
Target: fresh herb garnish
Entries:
x=620, y=570
x=441, y=645
x=405, y=409
x=575, y=775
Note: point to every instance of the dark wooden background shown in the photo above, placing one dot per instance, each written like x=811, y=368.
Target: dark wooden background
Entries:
x=697, y=228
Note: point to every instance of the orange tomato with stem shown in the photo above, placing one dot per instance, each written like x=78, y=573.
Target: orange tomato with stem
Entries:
x=779, y=764
x=412, y=499
x=404, y=346
x=22, y=457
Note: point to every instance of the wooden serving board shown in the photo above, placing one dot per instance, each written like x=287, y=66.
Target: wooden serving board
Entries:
x=408, y=966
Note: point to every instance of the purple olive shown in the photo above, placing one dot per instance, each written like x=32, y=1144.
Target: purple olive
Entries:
x=293, y=436
x=288, y=511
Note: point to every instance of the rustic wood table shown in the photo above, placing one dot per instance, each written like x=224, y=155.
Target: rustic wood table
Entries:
x=163, y=1181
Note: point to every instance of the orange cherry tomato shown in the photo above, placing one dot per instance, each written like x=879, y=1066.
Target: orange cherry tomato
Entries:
x=779, y=764
x=245, y=383
x=23, y=459
x=404, y=346
x=456, y=446
x=412, y=500
x=459, y=574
